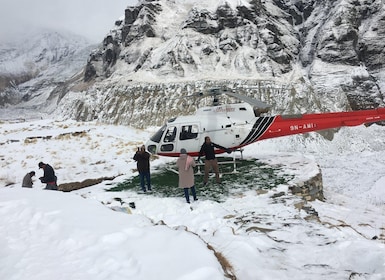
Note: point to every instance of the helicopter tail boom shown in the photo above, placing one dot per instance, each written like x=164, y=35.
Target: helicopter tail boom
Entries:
x=282, y=125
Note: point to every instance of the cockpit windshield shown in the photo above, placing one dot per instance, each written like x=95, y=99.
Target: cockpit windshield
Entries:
x=158, y=135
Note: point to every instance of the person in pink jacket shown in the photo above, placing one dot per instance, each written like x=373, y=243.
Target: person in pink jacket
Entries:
x=186, y=165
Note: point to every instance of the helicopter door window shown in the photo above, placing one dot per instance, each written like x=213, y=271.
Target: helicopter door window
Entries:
x=158, y=135
x=170, y=134
x=167, y=148
x=188, y=132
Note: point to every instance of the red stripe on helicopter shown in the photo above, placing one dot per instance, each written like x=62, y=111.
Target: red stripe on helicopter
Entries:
x=297, y=124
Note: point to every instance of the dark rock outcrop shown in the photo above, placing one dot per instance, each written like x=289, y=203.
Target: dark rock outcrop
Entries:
x=138, y=24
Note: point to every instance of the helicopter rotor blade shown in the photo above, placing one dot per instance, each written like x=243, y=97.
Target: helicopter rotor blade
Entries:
x=215, y=92
x=194, y=95
x=260, y=104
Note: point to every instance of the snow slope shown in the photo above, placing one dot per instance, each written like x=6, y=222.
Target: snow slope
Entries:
x=48, y=234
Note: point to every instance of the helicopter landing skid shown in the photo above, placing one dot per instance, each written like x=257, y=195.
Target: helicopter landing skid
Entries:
x=233, y=162
x=199, y=165
x=172, y=170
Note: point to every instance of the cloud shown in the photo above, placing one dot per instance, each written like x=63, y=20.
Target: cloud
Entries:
x=90, y=18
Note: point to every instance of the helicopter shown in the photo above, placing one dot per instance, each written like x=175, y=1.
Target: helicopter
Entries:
x=240, y=124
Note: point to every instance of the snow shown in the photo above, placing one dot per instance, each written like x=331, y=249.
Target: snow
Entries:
x=40, y=48
x=48, y=235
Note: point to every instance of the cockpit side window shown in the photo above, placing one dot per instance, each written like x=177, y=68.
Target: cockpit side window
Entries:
x=170, y=134
x=158, y=135
x=188, y=132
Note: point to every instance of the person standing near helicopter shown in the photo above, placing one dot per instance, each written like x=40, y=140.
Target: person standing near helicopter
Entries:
x=211, y=161
x=142, y=158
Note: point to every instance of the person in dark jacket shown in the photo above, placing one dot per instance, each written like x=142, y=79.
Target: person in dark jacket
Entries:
x=142, y=158
x=49, y=176
x=27, y=180
x=207, y=149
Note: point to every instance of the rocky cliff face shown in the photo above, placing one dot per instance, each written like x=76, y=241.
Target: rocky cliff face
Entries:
x=300, y=56
x=267, y=37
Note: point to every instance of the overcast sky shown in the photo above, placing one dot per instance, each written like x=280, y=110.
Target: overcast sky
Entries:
x=91, y=18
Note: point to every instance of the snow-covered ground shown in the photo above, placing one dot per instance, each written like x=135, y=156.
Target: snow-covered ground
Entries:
x=48, y=235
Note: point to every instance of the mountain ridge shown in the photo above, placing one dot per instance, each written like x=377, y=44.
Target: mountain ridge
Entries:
x=300, y=56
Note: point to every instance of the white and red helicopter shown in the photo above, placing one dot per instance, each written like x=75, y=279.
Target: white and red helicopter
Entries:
x=236, y=125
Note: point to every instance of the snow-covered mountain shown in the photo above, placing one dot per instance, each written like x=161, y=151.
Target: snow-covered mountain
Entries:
x=32, y=66
x=300, y=56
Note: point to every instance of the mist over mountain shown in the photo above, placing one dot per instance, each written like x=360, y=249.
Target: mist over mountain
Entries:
x=38, y=62
x=299, y=56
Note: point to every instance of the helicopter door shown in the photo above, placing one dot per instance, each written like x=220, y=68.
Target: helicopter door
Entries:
x=188, y=137
x=168, y=143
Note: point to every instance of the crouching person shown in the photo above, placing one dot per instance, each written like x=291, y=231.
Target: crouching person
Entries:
x=186, y=165
x=49, y=177
x=27, y=180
